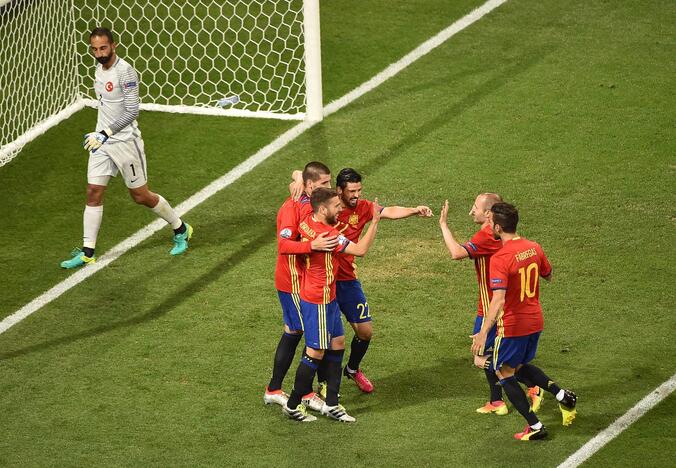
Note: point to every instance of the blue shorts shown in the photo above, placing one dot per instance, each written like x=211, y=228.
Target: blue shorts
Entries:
x=352, y=301
x=322, y=323
x=291, y=310
x=490, y=338
x=515, y=350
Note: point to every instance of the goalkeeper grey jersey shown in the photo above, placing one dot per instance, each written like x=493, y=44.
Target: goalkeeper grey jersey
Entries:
x=117, y=93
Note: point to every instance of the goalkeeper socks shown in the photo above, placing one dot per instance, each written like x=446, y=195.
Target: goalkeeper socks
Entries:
x=286, y=349
x=334, y=367
x=493, y=385
x=537, y=377
x=91, y=223
x=167, y=213
x=304, y=377
x=358, y=349
x=518, y=399
x=181, y=229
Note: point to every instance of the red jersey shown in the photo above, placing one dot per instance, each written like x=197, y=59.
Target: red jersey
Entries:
x=351, y=223
x=319, y=277
x=288, y=271
x=517, y=268
x=480, y=248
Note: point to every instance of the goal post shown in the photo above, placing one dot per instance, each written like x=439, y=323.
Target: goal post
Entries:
x=243, y=58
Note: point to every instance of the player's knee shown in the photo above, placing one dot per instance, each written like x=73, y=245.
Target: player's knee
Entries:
x=338, y=343
x=365, y=334
x=288, y=331
x=315, y=353
x=364, y=331
x=95, y=195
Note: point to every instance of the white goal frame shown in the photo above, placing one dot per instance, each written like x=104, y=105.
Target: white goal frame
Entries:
x=312, y=85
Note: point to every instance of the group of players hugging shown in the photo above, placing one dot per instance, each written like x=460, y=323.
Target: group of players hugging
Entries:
x=319, y=234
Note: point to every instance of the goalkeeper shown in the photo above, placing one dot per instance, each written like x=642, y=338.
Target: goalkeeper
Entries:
x=116, y=146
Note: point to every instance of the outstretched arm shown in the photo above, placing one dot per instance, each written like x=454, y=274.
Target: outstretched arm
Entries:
x=456, y=250
x=400, y=212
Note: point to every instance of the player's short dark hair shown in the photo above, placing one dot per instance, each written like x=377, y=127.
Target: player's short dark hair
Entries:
x=320, y=196
x=506, y=215
x=102, y=32
x=346, y=176
x=314, y=170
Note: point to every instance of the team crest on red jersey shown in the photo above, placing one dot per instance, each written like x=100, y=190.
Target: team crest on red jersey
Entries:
x=109, y=86
x=353, y=219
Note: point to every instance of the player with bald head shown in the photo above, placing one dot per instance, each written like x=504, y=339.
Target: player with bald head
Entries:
x=480, y=248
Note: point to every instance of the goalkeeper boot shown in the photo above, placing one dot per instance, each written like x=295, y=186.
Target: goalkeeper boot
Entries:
x=181, y=240
x=536, y=395
x=312, y=402
x=299, y=413
x=497, y=407
x=531, y=434
x=337, y=412
x=567, y=407
x=78, y=258
x=277, y=397
x=360, y=379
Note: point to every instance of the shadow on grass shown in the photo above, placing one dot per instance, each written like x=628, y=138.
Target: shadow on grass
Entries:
x=176, y=298
x=412, y=387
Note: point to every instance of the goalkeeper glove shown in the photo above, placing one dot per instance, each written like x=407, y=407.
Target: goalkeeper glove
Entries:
x=94, y=140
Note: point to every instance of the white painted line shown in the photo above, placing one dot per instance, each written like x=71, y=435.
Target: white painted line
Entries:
x=620, y=424
x=246, y=166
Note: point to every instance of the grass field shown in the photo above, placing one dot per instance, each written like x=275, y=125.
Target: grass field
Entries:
x=565, y=108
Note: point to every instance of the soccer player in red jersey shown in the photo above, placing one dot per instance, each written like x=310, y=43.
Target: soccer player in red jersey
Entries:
x=480, y=248
x=515, y=307
x=356, y=213
x=288, y=274
x=322, y=324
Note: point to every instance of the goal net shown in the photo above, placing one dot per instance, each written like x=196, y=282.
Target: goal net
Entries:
x=247, y=58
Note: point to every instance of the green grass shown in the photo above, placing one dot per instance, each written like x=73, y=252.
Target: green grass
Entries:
x=565, y=109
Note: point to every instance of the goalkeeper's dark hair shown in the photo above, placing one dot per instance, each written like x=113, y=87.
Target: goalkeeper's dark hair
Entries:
x=102, y=32
x=314, y=170
x=320, y=196
x=506, y=215
x=346, y=176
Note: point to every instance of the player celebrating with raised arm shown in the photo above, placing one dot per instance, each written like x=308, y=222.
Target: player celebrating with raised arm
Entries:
x=480, y=248
x=356, y=213
x=323, y=327
x=116, y=146
x=288, y=277
x=515, y=307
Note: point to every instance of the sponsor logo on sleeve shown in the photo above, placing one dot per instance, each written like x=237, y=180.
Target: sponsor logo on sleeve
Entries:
x=130, y=84
x=285, y=233
x=472, y=246
x=496, y=281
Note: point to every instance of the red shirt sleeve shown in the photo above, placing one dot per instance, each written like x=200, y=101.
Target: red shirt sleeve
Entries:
x=287, y=232
x=545, y=266
x=499, y=272
x=343, y=241
x=482, y=243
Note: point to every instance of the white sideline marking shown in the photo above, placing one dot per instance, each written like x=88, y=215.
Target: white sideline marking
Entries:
x=246, y=166
x=620, y=424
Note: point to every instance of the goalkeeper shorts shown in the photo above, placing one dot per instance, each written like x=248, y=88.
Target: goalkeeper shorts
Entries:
x=125, y=157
